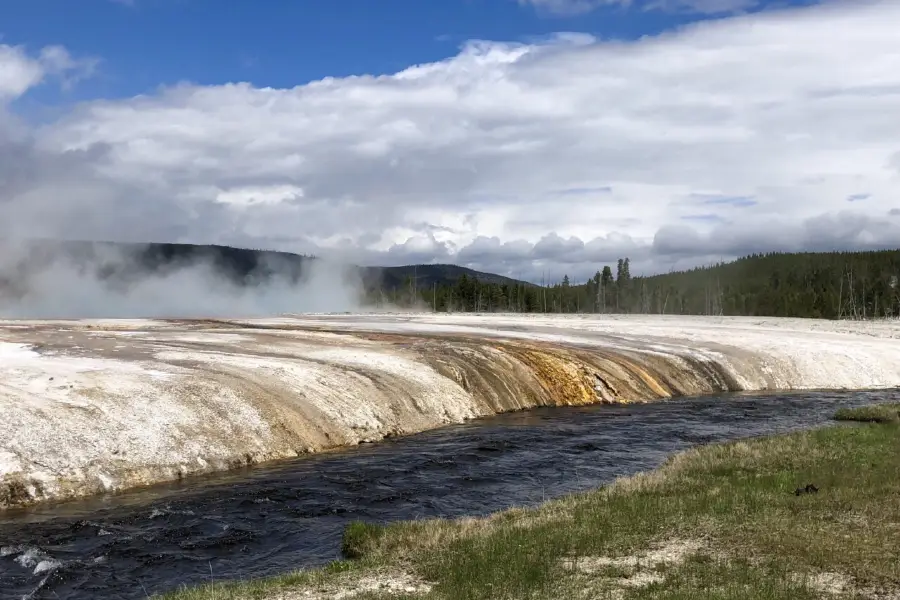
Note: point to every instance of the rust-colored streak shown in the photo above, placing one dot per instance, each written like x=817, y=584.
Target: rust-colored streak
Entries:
x=646, y=378
x=564, y=380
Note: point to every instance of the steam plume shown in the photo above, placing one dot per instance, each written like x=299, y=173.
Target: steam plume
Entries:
x=96, y=280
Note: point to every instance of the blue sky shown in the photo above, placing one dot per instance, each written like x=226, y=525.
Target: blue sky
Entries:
x=282, y=43
x=674, y=132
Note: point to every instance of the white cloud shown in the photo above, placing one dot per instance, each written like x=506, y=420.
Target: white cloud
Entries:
x=19, y=72
x=730, y=136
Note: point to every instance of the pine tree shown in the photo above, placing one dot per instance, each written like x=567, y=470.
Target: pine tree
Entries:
x=607, y=276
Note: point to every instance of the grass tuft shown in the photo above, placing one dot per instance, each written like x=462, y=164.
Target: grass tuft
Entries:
x=359, y=538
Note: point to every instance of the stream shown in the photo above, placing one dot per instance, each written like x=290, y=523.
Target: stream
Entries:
x=270, y=519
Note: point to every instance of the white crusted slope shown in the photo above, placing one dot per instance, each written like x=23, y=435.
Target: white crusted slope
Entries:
x=89, y=406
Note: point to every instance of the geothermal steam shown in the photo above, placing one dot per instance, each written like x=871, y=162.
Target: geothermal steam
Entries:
x=41, y=281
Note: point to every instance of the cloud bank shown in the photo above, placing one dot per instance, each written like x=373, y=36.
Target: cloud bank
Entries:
x=744, y=134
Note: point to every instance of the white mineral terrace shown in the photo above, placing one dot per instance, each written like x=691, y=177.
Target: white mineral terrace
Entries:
x=93, y=406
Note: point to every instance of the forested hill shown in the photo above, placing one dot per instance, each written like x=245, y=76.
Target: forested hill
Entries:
x=819, y=285
x=822, y=285
x=428, y=276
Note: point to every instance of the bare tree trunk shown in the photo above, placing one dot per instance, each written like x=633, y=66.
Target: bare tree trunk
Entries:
x=841, y=299
x=602, y=297
x=719, y=299
x=706, y=299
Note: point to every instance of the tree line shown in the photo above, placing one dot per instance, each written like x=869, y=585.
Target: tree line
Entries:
x=834, y=285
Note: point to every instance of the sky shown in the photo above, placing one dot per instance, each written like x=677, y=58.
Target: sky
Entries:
x=533, y=138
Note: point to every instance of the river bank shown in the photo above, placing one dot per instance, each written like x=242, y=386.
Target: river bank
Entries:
x=277, y=518
x=108, y=405
x=810, y=514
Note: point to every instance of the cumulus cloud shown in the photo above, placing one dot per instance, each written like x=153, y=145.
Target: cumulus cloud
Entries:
x=737, y=135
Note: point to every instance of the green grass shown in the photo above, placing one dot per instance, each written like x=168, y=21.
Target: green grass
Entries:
x=876, y=413
x=720, y=521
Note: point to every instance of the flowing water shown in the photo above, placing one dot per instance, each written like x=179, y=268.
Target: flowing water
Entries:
x=267, y=520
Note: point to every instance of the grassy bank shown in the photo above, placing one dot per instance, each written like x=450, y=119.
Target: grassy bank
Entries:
x=724, y=521
x=876, y=413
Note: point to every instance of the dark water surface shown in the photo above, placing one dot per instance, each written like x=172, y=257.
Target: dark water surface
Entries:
x=267, y=520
